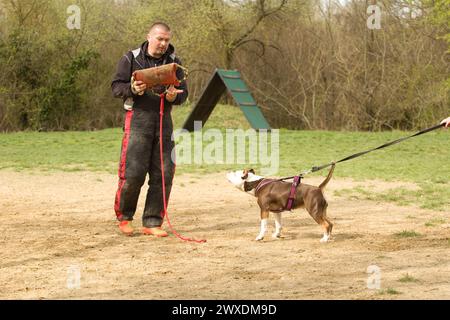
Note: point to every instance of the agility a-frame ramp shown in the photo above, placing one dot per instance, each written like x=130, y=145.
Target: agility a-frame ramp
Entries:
x=221, y=81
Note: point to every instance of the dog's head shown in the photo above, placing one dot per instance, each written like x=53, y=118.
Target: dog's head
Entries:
x=238, y=178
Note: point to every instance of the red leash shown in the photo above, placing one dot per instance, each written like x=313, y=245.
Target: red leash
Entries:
x=161, y=114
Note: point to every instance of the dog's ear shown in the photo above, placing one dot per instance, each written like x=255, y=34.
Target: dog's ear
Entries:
x=244, y=174
x=252, y=171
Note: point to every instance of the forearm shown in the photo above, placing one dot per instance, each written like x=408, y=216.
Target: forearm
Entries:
x=121, y=89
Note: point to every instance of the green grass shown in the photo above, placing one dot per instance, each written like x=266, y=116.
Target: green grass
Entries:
x=430, y=195
x=423, y=160
x=65, y=151
x=407, y=278
x=223, y=116
x=407, y=234
x=435, y=222
x=391, y=291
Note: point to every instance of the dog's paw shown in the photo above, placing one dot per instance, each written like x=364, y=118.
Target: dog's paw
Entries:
x=259, y=238
x=325, y=239
x=276, y=235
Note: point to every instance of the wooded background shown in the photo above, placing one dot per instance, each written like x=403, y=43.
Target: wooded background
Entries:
x=310, y=64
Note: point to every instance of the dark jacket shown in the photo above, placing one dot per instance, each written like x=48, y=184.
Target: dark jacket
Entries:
x=128, y=64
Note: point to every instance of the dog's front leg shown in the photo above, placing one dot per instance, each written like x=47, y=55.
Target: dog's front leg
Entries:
x=278, y=226
x=263, y=229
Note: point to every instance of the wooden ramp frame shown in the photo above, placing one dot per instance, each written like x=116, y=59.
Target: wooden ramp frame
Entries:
x=221, y=81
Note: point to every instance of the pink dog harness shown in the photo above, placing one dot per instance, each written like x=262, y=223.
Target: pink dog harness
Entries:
x=291, y=199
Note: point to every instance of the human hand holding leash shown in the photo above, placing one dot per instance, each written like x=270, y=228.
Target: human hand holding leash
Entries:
x=172, y=92
x=446, y=122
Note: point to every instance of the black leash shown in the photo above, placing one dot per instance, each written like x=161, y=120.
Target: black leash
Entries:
x=359, y=154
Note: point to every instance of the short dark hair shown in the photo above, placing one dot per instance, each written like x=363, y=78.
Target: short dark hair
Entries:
x=159, y=24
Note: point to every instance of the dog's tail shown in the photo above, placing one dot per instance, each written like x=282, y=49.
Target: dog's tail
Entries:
x=328, y=178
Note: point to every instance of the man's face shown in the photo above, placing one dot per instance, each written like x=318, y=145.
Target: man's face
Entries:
x=158, y=41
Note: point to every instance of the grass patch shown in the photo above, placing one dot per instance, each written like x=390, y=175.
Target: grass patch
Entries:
x=223, y=116
x=422, y=160
x=407, y=278
x=407, y=234
x=435, y=222
x=391, y=291
x=61, y=151
x=428, y=196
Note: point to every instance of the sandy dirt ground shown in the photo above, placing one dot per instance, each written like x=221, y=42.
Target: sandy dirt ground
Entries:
x=60, y=241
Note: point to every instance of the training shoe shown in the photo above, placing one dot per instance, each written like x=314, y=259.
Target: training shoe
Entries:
x=155, y=231
x=126, y=227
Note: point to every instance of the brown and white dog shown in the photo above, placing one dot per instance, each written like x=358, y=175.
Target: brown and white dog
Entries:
x=272, y=196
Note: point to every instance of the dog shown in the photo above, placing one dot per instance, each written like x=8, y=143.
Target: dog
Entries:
x=272, y=196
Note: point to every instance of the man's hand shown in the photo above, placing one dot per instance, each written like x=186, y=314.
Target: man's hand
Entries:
x=446, y=122
x=138, y=87
x=172, y=92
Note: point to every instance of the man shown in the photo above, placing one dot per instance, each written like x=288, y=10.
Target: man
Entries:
x=446, y=121
x=140, y=153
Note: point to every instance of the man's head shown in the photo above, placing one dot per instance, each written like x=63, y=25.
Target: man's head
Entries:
x=158, y=38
